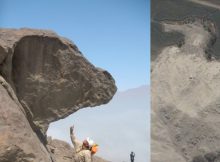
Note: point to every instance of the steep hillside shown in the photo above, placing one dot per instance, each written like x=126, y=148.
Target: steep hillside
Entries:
x=185, y=82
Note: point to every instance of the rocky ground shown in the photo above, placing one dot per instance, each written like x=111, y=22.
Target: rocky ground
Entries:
x=185, y=83
x=62, y=152
x=43, y=78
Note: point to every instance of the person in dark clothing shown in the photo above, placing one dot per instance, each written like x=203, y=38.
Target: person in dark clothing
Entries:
x=132, y=155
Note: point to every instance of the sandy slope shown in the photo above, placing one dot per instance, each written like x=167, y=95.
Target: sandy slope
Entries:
x=185, y=97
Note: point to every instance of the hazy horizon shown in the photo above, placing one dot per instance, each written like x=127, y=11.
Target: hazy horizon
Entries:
x=119, y=127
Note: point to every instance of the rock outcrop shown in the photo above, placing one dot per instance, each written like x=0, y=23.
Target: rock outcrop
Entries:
x=43, y=78
x=185, y=90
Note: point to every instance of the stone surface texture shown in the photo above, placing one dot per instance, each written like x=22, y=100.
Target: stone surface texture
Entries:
x=43, y=78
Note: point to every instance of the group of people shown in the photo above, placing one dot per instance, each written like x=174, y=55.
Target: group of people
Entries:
x=85, y=150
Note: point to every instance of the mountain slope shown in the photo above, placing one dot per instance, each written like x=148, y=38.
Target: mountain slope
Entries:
x=185, y=82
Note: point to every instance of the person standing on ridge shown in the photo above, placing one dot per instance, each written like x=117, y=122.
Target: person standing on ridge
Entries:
x=85, y=150
x=132, y=155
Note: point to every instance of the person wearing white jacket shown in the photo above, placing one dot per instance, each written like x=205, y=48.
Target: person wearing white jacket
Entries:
x=82, y=150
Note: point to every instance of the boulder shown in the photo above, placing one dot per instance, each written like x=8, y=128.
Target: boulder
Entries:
x=44, y=78
x=50, y=76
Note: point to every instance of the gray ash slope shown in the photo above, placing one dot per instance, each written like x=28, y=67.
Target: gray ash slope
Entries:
x=185, y=77
x=177, y=10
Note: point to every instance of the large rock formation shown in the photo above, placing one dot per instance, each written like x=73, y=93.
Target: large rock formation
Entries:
x=43, y=78
x=185, y=84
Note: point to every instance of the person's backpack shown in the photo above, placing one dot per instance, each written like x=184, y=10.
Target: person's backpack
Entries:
x=94, y=149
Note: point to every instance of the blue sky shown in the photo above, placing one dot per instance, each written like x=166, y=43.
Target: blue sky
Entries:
x=112, y=34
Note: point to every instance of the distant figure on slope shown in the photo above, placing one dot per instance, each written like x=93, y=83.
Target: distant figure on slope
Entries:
x=85, y=150
x=132, y=155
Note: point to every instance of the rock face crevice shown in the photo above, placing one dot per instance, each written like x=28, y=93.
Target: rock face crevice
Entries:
x=48, y=78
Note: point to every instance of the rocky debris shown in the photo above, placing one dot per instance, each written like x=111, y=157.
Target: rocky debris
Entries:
x=185, y=96
x=63, y=152
x=43, y=78
x=60, y=150
x=98, y=159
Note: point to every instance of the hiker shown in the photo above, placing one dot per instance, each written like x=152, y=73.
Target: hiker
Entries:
x=132, y=155
x=85, y=150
